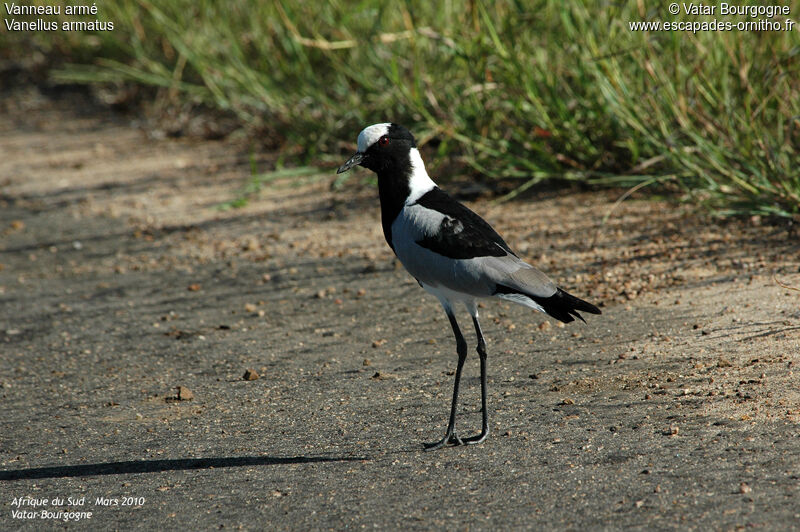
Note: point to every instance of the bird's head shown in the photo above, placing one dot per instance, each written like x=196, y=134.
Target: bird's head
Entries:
x=382, y=147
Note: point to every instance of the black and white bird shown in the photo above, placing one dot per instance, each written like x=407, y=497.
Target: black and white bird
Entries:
x=451, y=251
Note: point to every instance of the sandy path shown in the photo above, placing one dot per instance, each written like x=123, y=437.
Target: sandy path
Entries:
x=120, y=279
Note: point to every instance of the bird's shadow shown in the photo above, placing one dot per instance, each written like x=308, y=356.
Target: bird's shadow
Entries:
x=156, y=466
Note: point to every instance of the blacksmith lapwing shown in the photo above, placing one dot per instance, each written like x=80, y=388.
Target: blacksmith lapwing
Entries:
x=451, y=251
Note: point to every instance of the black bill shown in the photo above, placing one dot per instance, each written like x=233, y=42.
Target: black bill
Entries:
x=351, y=162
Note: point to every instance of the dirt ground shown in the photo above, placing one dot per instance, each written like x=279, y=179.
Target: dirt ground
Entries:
x=121, y=279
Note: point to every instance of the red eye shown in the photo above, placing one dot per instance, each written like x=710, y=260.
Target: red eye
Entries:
x=383, y=141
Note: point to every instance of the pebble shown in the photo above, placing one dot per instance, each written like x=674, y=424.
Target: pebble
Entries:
x=184, y=394
x=250, y=375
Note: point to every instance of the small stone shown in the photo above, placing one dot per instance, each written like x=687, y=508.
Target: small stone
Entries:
x=545, y=326
x=567, y=401
x=249, y=307
x=321, y=294
x=184, y=394
x=378, y=343
x=367, y=362
x=744, y=488
x=250, y=375
x=361, y=292
x=639, y=503
x=194, y=287
x=266, y=277
x=251, y=244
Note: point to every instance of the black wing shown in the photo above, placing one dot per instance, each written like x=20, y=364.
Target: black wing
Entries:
x=463, y=234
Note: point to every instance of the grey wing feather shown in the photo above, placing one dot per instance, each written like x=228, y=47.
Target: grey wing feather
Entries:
x=512, y=272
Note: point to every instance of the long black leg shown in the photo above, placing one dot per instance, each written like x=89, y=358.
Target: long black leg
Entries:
x=461, y=349
x=485, y=414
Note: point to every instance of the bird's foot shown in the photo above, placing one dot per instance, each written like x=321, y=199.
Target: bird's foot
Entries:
x=449, y=439
x=476, y=439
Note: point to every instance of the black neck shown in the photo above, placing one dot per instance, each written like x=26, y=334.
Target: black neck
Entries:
x=393, y=190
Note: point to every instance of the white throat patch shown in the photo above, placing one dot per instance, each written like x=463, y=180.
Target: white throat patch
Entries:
x=370, y=135
x=420, y=182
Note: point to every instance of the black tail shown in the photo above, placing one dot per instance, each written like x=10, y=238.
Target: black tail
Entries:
x=563, y=306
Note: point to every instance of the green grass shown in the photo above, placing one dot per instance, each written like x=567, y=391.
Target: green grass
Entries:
x=526, y=90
